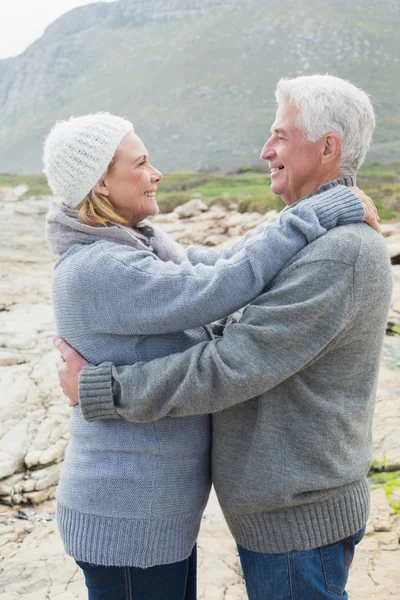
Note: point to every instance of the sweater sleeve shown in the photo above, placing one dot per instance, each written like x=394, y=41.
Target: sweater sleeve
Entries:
x=138, y=294
x=210, y=256
x=278, y=335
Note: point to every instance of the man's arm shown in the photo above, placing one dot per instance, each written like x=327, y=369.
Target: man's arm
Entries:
x=278, y=335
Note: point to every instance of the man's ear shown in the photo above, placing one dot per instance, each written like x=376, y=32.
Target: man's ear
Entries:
x=101, y=187
x=331, y=148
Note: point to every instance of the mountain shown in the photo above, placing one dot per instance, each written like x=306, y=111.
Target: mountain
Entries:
x=196, y=77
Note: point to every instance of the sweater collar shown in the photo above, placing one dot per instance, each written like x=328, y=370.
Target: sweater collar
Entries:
x=347, y=180
x=64, y=229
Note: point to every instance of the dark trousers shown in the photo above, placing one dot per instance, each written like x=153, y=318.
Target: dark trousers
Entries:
x=176, y=581
x=316, y=574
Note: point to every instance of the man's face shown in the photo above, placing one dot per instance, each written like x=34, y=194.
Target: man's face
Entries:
x=295, y=162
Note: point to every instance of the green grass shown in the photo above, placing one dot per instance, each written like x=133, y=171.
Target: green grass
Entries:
x=370, y=28
x=183, y=180
x=37, y=183
x=389, y=481
x=248, y=187
x=372, y=170
x=382, y=183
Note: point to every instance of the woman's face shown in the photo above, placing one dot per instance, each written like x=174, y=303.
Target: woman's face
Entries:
x=131, y=183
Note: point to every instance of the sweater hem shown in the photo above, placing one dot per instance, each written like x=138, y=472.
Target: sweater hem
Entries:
x=303, y=527
x=126, y=542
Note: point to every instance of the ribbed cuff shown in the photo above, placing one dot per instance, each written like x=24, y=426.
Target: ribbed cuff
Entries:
x=337, y=206
x=95, y=392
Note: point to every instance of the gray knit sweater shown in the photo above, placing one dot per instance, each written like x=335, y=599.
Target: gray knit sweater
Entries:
x=290, y=464
x=133, y=494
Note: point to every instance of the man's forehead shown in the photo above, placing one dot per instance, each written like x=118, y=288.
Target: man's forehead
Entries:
x=278, y=126
x=285, y=119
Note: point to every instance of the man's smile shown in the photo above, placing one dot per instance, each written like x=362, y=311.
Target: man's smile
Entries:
x=275, y=170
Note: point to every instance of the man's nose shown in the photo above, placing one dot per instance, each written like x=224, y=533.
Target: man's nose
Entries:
x=267, y=152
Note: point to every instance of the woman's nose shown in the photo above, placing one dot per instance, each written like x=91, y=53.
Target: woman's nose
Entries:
x=156, y=175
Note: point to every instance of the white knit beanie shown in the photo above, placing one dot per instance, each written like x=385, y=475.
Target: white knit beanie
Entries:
x=77, y=153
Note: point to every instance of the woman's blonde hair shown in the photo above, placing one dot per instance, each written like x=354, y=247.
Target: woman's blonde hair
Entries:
x=96, y=209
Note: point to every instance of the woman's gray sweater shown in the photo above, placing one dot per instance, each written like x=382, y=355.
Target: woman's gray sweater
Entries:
x=131, y=493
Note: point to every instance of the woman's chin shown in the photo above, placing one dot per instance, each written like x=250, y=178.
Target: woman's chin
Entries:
x=153, y=211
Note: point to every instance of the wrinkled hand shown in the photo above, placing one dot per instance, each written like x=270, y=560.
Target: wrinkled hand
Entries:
x=69, y=366
x=371, y=214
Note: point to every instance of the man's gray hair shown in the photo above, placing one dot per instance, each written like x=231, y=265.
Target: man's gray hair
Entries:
x=330, y=104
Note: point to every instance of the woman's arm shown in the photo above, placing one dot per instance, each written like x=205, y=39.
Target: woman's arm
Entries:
x=142, y=295
x=210, y=256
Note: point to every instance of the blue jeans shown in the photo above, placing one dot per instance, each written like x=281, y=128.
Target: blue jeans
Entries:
x=176, y=581
x=316, y=574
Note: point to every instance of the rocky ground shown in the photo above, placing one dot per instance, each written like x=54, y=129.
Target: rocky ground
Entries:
x=34, y=415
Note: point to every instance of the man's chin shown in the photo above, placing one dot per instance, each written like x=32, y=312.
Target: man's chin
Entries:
x=281, y=191
x=277, y=189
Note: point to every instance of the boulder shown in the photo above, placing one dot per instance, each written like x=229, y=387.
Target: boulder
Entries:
x=393, y=244
x=191, y=209
x=395, y=305
x=13, y=194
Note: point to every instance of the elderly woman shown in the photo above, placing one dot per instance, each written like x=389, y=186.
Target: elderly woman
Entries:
x=131, y=495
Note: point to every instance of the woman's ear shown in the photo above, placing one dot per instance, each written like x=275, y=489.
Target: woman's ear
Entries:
x=101, y=187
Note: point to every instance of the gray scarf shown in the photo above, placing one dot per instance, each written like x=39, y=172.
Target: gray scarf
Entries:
x=63, y=229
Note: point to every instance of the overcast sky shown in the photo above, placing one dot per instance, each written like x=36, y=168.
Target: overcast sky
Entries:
x=23, y=21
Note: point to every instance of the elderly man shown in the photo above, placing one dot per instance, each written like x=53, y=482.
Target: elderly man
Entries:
x=292, y=384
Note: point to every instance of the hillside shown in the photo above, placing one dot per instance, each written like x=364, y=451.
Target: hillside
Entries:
x=196, y=76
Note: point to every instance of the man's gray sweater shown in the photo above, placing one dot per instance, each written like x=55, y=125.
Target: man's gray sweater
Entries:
x=291, y=387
